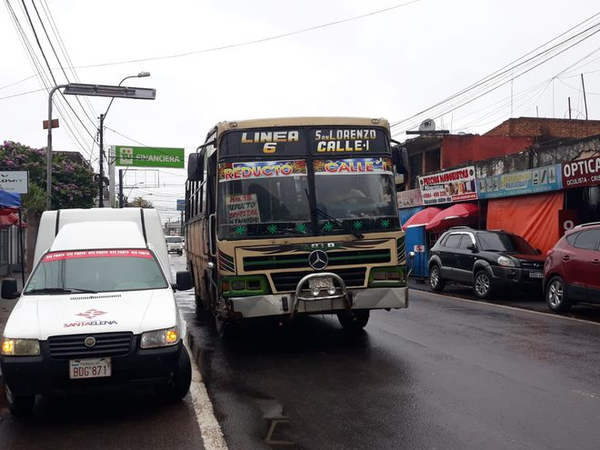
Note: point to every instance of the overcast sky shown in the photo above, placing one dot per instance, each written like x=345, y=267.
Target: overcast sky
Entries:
x=393, y=63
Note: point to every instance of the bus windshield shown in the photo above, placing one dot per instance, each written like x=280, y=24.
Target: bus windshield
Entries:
x=263, y=198
x=359, y=188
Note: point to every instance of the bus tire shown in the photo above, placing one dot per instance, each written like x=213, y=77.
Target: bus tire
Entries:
x=354, y=320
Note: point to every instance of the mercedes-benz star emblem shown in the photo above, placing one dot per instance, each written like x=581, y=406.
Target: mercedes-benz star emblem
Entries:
x=89, y=341
x=318, y=260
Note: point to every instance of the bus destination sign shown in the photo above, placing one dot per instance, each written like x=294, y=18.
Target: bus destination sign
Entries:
x=348, y=140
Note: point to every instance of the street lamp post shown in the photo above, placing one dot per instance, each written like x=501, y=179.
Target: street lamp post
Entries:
x=101, y=132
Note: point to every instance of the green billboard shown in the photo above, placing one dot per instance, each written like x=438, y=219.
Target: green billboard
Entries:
x=149, y=157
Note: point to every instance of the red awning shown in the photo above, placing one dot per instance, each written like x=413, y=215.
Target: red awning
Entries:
x=422, y=217
x=458, y=214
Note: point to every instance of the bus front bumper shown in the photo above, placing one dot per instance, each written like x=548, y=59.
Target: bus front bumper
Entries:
x=282, y=304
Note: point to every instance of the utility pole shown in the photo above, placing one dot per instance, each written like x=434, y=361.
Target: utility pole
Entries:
x=584, y=97
x=101, y=159
x=121, y=200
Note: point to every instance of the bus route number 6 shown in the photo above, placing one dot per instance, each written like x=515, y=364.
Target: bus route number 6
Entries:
x=270, y=147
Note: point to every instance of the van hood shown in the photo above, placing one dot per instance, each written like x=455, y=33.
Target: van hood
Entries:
x=41, y=316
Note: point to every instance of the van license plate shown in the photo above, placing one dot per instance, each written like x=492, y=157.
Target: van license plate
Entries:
x=320, y=282
x=536, y=275
x=90, y=368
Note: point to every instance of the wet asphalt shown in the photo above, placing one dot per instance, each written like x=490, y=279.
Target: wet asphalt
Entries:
x=446, y=373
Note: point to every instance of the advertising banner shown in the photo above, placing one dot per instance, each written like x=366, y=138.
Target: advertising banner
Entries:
x=448, y=187
x=353, y=166
x=14, y=181
x=150, y=157
x=582, y=172
x=260, y=169
x=532, y=181
x=180, y=204
x=410, y=198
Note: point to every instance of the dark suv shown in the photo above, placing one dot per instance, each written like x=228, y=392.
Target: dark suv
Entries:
x=487, y=260
x=572, y=268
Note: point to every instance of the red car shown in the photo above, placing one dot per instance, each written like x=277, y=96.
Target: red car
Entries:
x=572, y=268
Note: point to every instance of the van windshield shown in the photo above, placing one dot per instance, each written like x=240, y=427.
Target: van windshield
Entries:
x=174, y=239
x=108, y=270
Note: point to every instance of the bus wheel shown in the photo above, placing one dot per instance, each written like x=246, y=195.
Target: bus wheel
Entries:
x=226, y=329
x=354, y=320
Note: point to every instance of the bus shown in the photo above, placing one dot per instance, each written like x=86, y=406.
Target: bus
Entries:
x=295, y=216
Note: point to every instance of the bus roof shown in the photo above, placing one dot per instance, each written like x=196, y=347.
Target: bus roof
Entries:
x=222, y=127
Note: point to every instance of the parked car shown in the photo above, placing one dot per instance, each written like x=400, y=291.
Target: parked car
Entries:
x=487, y=260
x=175, y=244
x=572, y=268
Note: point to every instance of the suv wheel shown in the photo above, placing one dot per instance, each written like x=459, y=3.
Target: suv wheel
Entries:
x=436, y=282
x=482, y=284
x=556, y=295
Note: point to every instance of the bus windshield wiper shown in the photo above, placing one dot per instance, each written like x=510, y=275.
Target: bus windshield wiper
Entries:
x=318, y=211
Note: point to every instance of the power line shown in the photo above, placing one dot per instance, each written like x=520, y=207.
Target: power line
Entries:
x=255, y=41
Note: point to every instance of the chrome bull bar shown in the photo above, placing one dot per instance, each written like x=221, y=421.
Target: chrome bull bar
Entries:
x=341, y=291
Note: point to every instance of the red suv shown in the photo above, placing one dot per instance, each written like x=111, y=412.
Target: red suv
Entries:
x=572, y=268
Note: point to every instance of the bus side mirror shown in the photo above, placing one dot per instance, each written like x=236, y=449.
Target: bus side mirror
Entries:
x=196, y=167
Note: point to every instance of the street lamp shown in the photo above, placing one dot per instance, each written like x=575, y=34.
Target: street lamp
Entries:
x=101, y=131
x=91, y=90
x=122, y=197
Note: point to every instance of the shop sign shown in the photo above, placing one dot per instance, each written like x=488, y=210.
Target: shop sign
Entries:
x=532, y=181
x=14, y=181
x=150, y=157
x=410, y=198
x=582, y=172
x=448, y=187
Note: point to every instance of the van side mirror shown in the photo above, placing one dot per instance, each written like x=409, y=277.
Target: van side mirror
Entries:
x=472, y=247
x=411, y=255
x=9, y=290
x=183, y=280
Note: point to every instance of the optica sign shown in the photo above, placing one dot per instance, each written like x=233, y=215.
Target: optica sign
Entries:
x=581, y=172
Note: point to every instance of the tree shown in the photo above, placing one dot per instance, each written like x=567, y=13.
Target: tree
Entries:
x=140, y=202
x=72, y=183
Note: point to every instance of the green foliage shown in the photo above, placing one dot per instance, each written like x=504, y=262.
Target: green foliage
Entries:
x=140, y=202
x=72, y=182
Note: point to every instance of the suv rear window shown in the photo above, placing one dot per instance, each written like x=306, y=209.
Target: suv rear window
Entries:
x=587, y=240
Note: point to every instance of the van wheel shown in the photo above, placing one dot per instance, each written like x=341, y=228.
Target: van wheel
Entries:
x=436, y=282
x=354, y=320
x=179, y=385
x=556, y=295
x=19, y=405
x=482, y=285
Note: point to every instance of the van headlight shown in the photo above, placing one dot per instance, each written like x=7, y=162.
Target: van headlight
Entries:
x=160, y=338
x=20, y=347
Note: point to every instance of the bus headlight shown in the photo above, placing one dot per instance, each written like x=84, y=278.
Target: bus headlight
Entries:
x=243, y=286
x=160, y=338
x=387, y=276
x=20, y=347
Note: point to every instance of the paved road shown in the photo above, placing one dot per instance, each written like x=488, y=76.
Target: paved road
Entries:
x=446, y=373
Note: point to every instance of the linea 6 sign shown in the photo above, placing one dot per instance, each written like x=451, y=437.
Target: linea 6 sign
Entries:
x=582, y=172
x=447, y=187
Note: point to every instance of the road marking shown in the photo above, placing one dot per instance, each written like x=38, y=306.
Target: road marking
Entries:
x=212, y=436
x=513, y=308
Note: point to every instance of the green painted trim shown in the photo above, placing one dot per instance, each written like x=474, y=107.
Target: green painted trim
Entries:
x=264, y=286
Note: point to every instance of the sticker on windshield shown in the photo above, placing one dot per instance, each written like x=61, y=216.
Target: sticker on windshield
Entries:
x=353, y=166
x=242, y=208
x=232, y=171
x=58, y=256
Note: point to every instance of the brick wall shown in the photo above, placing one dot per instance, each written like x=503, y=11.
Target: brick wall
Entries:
x=545, y=129
x=459, y=150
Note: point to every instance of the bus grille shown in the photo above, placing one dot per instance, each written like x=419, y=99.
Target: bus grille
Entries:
x=107, y=344
x=288, y=281
x=336, y=258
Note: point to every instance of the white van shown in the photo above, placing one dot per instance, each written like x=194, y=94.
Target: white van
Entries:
x=98, y=311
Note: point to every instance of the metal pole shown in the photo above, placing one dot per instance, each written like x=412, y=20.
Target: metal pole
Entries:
x=584, y=97
x=21, y=248
x=121, y=188
x=49, y=149
x=101, y=177
x=181, y=225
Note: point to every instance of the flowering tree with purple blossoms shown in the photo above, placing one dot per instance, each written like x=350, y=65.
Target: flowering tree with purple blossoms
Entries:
x=72, y=182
